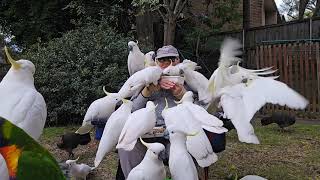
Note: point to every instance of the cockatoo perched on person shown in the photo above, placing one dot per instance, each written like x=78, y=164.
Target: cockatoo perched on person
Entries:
x=25, y=157
x=138, y=123
x=151, y=167
x=139, y=80
x=100, y=109
x=79, y=170
x=20, y=101
x=195, y=80
x=181, y=164
x=240, y=102
x=136, y=59
x=113, y=130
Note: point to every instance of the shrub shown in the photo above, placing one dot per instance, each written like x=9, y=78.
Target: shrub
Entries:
x=71, y=70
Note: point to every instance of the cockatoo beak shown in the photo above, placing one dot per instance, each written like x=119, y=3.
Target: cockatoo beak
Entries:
x=193, y=134
x=13, y=63
x=144, y=143
x=178, y=102
x=124, y=100
x=104, y=90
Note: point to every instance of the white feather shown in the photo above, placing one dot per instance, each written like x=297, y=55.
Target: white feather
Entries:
x=112, y=131
x=99, y=109
x=251, y=98
x=138, y=123
x=139, y=80
x=135, y=58
x=151, y=167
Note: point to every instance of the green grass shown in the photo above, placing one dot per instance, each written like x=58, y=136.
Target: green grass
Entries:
x=290, y=155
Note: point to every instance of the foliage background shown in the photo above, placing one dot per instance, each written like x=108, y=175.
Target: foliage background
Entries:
x=71, y=70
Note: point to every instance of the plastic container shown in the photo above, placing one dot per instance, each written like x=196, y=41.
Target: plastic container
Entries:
x=175, y=79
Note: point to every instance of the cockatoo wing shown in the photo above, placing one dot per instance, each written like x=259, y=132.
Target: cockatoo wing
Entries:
x=111, y=134
x=234, y=109
x=200, y=148
x=240, y=102
x=138, y=123
x=201, y=115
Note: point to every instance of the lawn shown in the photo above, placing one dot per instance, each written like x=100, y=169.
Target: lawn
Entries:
x=293, y=154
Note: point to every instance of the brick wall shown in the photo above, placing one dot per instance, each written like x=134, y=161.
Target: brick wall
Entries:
x=256, y=13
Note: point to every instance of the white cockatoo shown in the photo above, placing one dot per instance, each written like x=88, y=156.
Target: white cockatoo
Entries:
x=112, y=130
x=149, y=59
x=21, y=103
x=138, y=123
x=78, y=170
x=194, y=118
x=99, y=109
x=229, y=51
x=139, y=80
x=136, y=59
x=151, y=167
x=195, y=80
x=181, y=164
x=229, y=72
x=241, y=101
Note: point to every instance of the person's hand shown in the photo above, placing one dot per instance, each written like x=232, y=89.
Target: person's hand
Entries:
x=149, y=90
x=177, y=90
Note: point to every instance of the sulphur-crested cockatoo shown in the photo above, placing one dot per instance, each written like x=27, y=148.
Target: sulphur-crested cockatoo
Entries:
x=181, y=164
x=100, y=109
x=138, y=123
x=136, y=59
x=21, y=103
x=229, y=51
x=149, y=59
x=151, y=167
x=78, y=170
x=240, y=102
x=112, y=130
x=139, y=80
x=186, y=114
x=195, y=80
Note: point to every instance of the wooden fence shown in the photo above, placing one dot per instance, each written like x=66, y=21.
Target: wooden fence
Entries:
x=298, y=66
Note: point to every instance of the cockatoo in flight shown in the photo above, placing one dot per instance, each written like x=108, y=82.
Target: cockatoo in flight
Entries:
x=242, y=92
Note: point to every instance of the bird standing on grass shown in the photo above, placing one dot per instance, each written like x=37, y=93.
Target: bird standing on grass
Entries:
x=26, y=158
x=282, y=119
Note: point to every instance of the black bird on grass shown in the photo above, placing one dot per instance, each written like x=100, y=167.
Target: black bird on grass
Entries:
x=70, y=141
x=283, y=120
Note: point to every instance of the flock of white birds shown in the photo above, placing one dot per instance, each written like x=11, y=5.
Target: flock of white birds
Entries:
x=240, y=92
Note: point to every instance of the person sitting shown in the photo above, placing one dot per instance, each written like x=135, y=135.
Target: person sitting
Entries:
x=165, y=56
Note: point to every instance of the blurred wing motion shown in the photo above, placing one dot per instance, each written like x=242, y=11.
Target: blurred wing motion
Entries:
x=240, y=102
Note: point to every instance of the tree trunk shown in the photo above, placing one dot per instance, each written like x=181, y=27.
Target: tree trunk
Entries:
x=316, y=10
x=302, y=7
x=169, y=31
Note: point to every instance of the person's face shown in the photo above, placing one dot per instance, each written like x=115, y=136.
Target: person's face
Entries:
x=165, y=62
